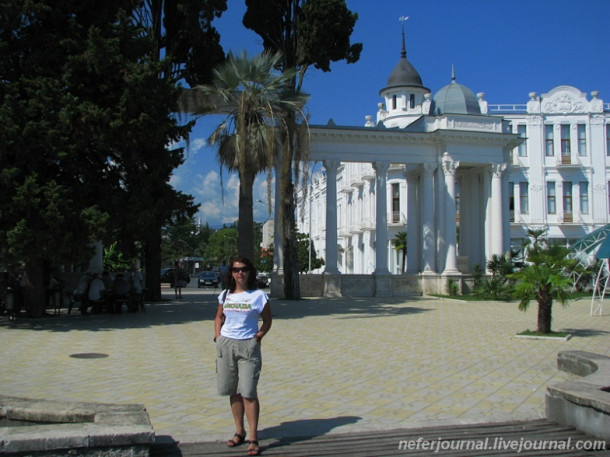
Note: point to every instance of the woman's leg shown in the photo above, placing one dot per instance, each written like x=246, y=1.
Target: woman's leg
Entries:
x=237, y=408
x=252, y=409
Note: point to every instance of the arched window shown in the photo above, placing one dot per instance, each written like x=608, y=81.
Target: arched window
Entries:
x=393, y=102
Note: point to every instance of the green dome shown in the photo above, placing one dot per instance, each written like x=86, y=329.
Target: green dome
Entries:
x=455, y=98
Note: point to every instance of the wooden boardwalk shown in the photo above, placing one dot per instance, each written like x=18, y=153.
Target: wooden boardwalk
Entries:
x=521, y=438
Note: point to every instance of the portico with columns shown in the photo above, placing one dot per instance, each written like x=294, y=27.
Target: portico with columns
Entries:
x=449, y=157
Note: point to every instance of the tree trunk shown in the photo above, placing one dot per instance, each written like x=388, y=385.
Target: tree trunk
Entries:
x=152, y=262
x=245, y=228
x=544, y=315
x=292, y=289
x=34, y=291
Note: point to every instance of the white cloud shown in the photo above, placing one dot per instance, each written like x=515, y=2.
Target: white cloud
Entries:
x=209, y=192
x=175, y=180
x=196, y=145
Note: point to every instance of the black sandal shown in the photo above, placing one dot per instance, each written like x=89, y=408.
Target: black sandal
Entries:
x=256, y=450
x=241, y=439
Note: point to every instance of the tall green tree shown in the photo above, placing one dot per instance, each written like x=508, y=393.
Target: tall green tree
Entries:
x=65, y=67
x=183, y=36
x=222, y=244
x=308, y=257
x=187, y=46
x=184, y=237
x=256, y=98
x=544, y=279
x=307, y=33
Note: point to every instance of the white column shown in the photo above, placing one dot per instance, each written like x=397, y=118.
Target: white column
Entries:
x=331, y=167
x=427, y=201
x=413, y=222
x=381, y=218
x=278, y=239
x=497, y=223
x=449, y=168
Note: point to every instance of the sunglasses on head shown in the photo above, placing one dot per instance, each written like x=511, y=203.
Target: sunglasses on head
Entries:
x=242, y=269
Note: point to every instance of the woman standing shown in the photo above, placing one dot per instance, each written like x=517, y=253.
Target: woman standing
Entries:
x=238, y=348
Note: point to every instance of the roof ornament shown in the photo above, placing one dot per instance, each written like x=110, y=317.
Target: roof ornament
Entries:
x=453, y=79
x=403, y=52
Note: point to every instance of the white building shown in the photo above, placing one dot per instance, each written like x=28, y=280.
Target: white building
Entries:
x=463, y=178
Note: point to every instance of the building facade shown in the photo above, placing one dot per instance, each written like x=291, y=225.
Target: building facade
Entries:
x=463, y=179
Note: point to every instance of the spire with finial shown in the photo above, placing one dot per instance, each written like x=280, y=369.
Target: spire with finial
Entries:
x=452, y=73
x=403, y=52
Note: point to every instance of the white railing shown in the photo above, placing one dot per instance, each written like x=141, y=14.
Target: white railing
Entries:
x=507, y=108
x=396, y=218
x=519, y=108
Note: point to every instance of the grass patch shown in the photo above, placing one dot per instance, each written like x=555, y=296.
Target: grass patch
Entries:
x=466, y=297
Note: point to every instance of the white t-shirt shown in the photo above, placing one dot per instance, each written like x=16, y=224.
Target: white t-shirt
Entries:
x=241, y=312
x=95, y=289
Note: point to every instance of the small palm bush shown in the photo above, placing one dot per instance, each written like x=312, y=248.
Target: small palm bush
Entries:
x=545, y=278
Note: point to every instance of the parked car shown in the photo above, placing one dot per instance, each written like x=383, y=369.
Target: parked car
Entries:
x=167, y=275
x=207, y=278
x=263, y=280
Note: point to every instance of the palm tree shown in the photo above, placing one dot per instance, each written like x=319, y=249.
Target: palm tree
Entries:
x=400, y=244
x=544, y=279
x=255, y=99
x=535, y=237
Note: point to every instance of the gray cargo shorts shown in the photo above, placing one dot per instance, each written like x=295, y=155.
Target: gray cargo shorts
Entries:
x=238, y=366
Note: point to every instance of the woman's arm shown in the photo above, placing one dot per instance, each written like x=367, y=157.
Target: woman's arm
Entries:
x=218, y=321
x=267, y=320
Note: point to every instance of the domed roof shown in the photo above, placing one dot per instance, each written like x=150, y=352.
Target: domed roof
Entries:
x=404, y=74
x=455, y=98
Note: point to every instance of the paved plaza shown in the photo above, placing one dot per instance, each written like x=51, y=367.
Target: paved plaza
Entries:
x=330, y=365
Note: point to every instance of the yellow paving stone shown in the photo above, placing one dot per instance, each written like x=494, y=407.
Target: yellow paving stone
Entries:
x=335, y=363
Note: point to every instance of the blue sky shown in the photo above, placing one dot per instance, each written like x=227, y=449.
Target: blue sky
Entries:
x=505, y=48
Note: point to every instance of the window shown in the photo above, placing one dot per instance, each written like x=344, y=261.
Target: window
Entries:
x=523, y=197
x=584, y=197
x=395, y=202
x=565, y=139
x=511, y=201
x=550, y=197
x=393, y=102
x=582, y=140
x=458, y=192
x=548, y=140
x=412, y=101
x=567, y=201
x=565, y=144
x=522, y=131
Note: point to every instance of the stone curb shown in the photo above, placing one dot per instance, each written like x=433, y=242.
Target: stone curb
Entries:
x=71, y=425
x=583, y=403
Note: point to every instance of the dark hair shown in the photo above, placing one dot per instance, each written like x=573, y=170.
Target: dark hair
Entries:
x=251, y=269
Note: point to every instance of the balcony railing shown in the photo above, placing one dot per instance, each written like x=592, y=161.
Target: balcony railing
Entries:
x=396, y=218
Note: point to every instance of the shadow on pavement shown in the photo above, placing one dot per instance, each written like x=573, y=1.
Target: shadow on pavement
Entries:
x=198, y=306
x=306, y=428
